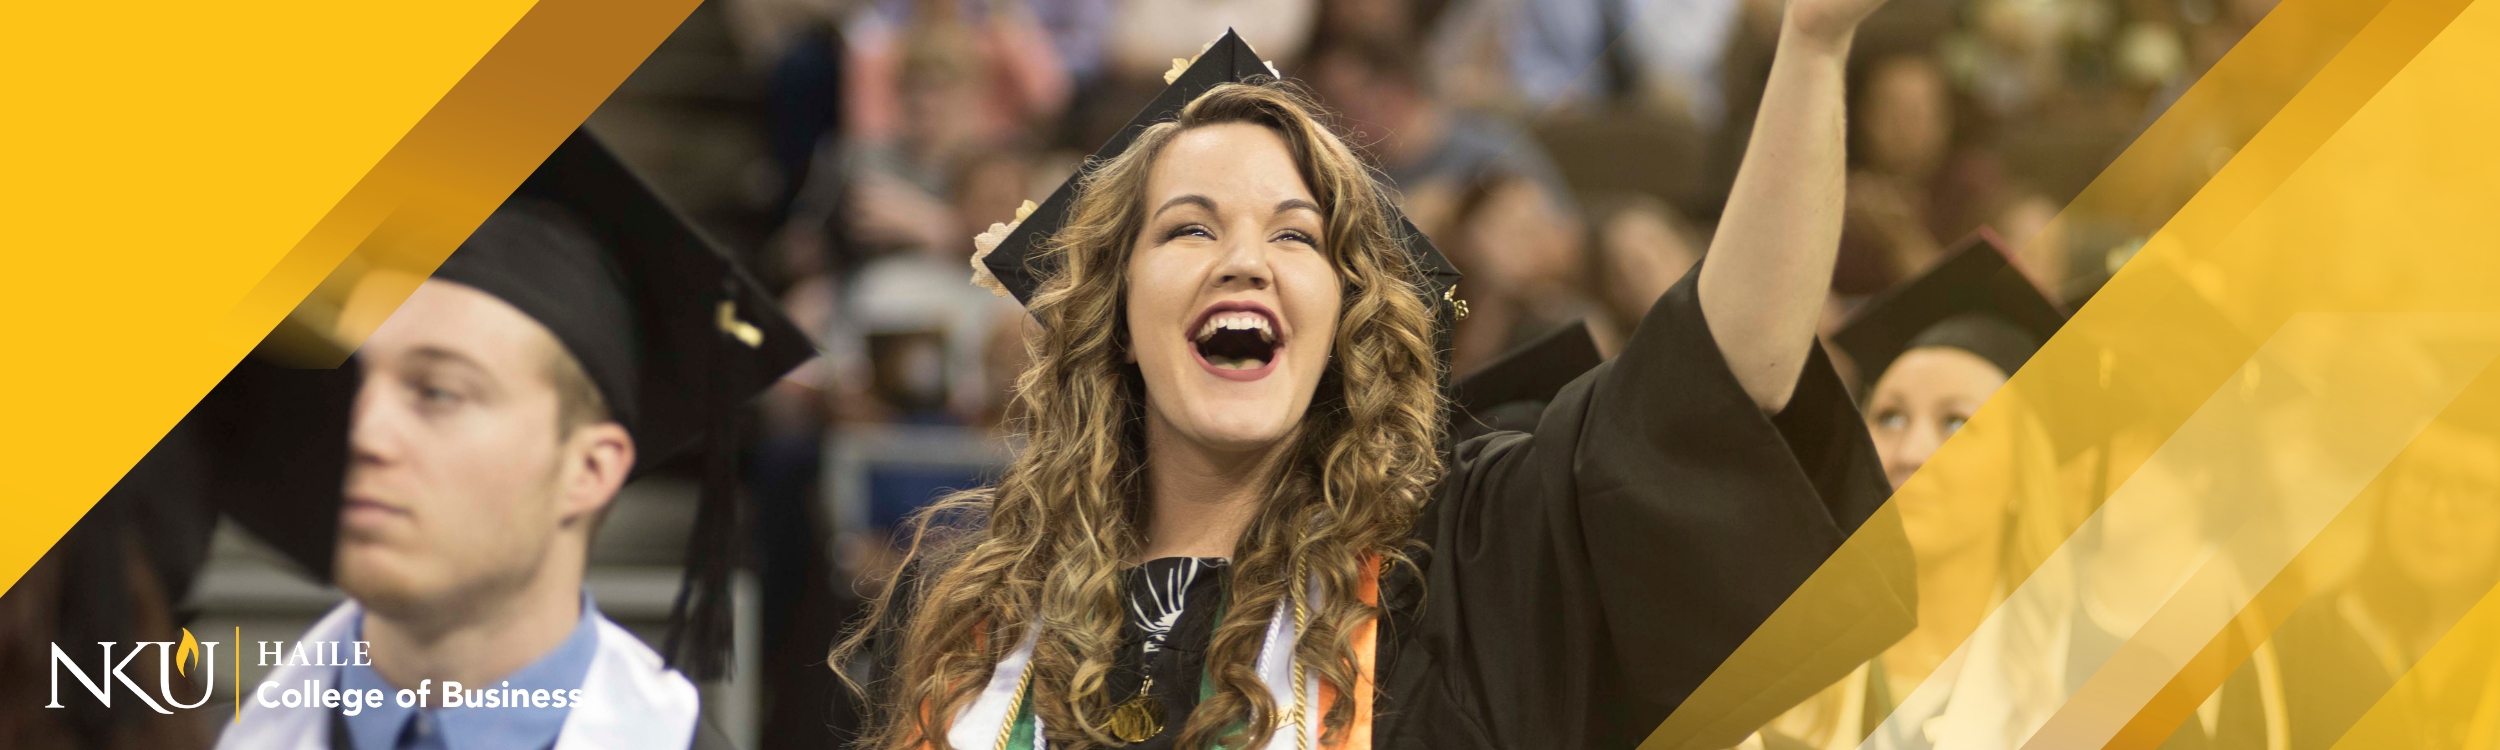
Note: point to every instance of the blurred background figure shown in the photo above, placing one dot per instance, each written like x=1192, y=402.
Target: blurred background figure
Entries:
x=1901, y=126
x=2431, y=559
x=1425, y=148
x=933, y=74
x=117, y=577
x=1664, y=53
x=1524, y=264
x=1636, y=247
x=1916, y=180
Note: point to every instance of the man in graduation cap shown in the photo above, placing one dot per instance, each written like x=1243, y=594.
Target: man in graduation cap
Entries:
x=581, y=335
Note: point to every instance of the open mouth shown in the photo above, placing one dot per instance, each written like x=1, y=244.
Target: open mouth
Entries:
x=1236, y=338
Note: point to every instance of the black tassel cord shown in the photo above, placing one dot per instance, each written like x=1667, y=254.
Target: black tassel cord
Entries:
x=701, y=623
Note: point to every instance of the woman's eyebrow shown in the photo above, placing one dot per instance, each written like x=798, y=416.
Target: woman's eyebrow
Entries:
x=1191, y=199
x=1289, y=204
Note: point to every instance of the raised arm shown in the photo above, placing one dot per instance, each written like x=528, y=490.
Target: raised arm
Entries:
x=1769, y=266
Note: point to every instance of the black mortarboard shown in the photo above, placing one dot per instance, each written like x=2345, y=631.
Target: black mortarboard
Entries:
x=2176, y=350
x=1228, y=60
x=675, y=336
x=1973, y=300
x=661, y=319
x=1511, y=392
x=275, y=441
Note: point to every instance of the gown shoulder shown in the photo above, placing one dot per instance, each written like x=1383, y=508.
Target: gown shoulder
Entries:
x=1580, y=582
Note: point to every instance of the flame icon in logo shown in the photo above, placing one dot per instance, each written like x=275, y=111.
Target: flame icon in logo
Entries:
x=187, y=654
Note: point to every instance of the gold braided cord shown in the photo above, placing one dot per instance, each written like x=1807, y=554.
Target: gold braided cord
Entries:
x=1301, y=618
x=1007, y=731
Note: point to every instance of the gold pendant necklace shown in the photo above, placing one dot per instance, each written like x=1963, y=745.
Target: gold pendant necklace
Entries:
x=1138, y=719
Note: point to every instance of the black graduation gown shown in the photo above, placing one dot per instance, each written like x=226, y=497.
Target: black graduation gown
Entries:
x=1582, y=581
x=2332, y=672
x=2340, y=665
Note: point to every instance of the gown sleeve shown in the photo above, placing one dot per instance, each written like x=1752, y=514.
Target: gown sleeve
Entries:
x=1584, y=580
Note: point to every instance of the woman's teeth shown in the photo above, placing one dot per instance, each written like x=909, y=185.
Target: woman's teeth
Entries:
x=1237, y=322
x=1236, y=341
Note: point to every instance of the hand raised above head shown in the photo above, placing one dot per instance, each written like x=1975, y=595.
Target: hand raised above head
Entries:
x=1828, y=22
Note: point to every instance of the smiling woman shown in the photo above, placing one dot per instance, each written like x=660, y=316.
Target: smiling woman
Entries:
x=1200, y=271
x=1225, y=274
x=1235, y=522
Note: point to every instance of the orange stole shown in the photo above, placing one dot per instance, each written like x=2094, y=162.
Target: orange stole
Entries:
x=1358, y=735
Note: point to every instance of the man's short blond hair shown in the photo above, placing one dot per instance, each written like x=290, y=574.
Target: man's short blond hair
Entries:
x=578, y=401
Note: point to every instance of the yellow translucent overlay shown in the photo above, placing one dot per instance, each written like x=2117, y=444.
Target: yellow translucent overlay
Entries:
x=182, y=176
x=2266, y=454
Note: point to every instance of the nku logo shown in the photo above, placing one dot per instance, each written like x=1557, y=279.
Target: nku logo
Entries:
x=170, y=659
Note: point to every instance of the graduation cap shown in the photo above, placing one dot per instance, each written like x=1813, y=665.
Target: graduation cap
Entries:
x=1511, y=392
x=274, y=446
x=674, y=335
x=1974, y=300
x=2174, y=355
x=1020, y=268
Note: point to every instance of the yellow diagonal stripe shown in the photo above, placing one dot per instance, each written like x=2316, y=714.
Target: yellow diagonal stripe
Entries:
x=2465, y=654
x=2302, y=588
x=2322, y=212
x=182, y=175
x=2275, y=228
x=2171, y=160
x=2215, y=474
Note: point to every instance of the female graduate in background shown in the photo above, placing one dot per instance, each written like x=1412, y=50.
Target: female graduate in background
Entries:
x=2007, y=632
x=1935, y=349
x=1233, y=523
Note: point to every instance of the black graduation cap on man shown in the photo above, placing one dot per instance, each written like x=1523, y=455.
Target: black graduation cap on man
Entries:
x=1974, y=300
x=675, y=336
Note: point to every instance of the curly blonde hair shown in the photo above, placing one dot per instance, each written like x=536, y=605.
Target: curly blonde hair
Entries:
x=1049, y=542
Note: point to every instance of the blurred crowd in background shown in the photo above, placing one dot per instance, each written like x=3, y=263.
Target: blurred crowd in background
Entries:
x=1571, y=156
